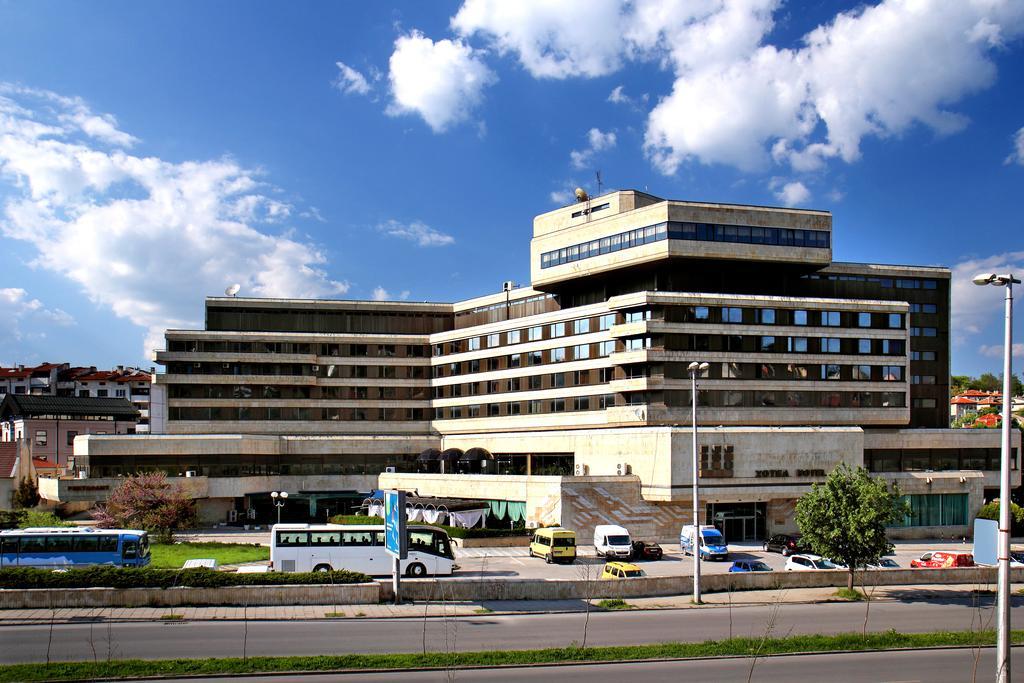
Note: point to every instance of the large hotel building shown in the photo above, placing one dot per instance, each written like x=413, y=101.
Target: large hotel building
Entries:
x=579, y=384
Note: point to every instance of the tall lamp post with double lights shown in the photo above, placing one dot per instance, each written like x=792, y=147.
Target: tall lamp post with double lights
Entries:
x=1003, y=600
x=280, y=498
x=695, y=367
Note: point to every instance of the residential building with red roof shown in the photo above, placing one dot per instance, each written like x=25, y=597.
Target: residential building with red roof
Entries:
x=61, y=379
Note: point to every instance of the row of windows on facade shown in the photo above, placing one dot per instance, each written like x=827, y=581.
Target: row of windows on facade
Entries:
x=699, y=232
x=42, y=436
x=298, y=348
x=325, y=371
x=897, y=283
x=286, y=392
x=754, y=398
x=765, y=344
x=255, y=465
x=322, y=321
x=720, y=314
x=86, y=393
x=680, y=342
x=934, y=459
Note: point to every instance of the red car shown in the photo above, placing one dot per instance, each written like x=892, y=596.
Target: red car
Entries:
x=940, y=559
x=646, y=551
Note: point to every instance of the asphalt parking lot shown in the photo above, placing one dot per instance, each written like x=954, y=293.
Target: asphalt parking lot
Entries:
x=516, y=562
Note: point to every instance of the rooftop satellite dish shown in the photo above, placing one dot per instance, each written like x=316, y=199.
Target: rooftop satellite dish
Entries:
x=581, y=195
x=233, y=289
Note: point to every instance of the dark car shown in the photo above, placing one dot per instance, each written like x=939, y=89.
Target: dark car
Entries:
x=743, y=566
x=787, y=544
x=646, y=551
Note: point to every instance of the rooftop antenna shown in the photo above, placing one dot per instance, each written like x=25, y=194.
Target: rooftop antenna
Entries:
x=232, y=290
x=599, y=183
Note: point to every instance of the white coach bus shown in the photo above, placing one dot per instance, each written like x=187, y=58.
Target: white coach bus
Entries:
x=326, y=547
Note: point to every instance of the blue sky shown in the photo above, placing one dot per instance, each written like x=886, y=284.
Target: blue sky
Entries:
x=151, y=154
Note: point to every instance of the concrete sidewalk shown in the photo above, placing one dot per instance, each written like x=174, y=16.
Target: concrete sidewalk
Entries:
x=470, y=609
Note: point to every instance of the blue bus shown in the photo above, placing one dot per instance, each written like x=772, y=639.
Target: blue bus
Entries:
x=66, y=547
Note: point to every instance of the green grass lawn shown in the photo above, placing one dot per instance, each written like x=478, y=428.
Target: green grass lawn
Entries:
x=173, y=556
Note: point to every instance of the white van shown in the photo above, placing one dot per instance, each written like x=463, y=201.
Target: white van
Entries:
x=612, y=540
x=711, y=546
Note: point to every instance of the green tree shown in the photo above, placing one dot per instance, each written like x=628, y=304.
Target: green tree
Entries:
x=958, y=384
x=989, y=410
x=26, y=495
x=987, y=382
x=845, y=517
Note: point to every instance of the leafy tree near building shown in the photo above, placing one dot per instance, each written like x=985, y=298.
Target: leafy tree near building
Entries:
x=845, y=517
x=26, y=495
x=147, y=501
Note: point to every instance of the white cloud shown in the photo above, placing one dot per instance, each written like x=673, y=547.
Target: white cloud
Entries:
x=145, y=237
x=550, y=39
x=26, y=319
x=860, y=75
x=997, y=350
x=980, y=308
x=350, y=81
x=441, y=81
x=617, y=96
x=793, y=193
x=381, y=294
x=597, y=141
x=1017, y=155
x=416, y=231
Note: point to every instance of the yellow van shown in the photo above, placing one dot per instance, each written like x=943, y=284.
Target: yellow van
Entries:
x=554, y=544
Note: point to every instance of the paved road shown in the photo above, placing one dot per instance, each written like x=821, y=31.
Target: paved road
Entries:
x=225, y=639
x=931, y=666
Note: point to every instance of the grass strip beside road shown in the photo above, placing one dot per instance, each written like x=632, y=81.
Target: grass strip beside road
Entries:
x=134, y=668
x=173, y=556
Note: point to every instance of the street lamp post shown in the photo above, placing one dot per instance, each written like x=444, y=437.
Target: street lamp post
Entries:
x=1003, y=600
x=280, y=498
x=694, y=368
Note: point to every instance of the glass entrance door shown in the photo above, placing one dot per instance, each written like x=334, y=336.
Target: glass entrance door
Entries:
x=738, y=521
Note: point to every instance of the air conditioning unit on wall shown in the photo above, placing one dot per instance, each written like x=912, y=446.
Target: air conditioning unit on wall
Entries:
x=622, y=469
x=580, y=469
x=390, y=470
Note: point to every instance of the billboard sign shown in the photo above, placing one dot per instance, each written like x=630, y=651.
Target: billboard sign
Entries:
x=395, y=537
x=986, y=541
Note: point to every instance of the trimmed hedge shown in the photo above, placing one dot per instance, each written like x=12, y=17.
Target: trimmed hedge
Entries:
x=453, y=531
x=117, y=577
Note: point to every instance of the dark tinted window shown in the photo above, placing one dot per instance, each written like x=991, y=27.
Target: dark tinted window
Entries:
x=287, y=539
x=33, y=544
x=58, y=544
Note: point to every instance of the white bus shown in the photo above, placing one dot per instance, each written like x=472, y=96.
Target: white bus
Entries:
x=326, y=547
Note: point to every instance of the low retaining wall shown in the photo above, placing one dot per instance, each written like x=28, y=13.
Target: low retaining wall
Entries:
x=493, y=542
x=46, y=598
x=658, y=586
x=476, y=590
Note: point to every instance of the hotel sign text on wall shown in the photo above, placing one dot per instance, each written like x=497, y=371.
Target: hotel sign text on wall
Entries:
x=780, y=474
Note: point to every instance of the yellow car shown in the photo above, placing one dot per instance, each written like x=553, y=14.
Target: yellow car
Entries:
x=621, y=570
x=554, y=544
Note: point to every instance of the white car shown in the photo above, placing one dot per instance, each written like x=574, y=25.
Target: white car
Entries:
x=800, y=563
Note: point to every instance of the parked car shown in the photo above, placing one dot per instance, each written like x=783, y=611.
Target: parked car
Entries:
x=1016, y=560
x=884, y=563
x=612, y=540
x=743, y=566
x=939, y=559
x=554, y=544
x=646, y=551
x=621, y=570
x=801, y=563
x=787, y=544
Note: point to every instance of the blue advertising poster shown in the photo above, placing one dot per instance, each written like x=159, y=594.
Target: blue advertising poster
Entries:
x=394, y=524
